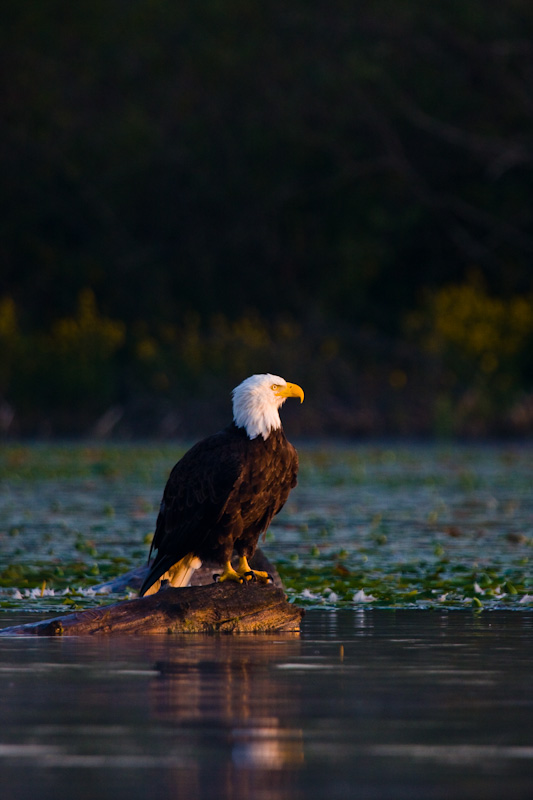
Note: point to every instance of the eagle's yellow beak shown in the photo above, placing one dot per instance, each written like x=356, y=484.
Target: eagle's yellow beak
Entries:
x=291, y=390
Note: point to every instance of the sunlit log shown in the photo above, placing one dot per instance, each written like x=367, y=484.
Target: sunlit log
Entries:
x=215, y=608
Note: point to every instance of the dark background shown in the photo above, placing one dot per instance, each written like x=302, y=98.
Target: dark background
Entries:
x=337, y=192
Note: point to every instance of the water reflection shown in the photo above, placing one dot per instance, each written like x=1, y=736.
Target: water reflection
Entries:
x=231, y=696
x=205, y=715
x=362, y=704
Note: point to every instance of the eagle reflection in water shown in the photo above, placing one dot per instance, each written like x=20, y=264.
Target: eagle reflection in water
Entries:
x=221, y=704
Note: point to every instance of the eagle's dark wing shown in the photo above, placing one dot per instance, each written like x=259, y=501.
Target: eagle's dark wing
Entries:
x=289, y=479
x=194, y=498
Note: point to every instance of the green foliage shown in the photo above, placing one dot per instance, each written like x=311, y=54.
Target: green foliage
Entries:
x=483, y=341
x=477, y=331
x=69, y=369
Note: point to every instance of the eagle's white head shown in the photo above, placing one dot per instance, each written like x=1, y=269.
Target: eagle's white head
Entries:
x=256, y=402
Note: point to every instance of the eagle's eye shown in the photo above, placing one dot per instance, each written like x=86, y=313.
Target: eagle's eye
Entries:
x=274, y=387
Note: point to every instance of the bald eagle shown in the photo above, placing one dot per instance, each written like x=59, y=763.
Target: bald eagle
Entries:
x=223, y=493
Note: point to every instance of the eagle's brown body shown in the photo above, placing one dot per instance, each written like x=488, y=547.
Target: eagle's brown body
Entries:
x=222, y=496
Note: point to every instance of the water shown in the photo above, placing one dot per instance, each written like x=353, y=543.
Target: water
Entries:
x=363, y=704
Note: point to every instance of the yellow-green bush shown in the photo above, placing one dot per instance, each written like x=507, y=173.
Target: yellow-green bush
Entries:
x=484, y=332
x=69, y=369
x=191, y=355
x=80, y=350
x=482, y=340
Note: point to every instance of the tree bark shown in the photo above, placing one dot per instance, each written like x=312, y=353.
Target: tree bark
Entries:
x=217, y=607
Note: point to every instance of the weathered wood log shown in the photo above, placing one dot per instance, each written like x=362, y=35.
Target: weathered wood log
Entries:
x=226, y=607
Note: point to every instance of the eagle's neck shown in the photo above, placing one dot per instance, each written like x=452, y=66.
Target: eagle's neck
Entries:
x=258, y=416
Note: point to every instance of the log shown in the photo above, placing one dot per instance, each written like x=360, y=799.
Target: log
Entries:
x=217, y=607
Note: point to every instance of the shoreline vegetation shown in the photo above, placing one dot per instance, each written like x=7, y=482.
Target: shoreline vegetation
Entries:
x=338, y=194
x=460, y=370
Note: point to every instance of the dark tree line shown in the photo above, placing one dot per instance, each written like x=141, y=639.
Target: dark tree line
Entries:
x=321, y=162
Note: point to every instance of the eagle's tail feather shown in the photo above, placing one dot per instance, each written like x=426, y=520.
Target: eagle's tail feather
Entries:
x=176, y=573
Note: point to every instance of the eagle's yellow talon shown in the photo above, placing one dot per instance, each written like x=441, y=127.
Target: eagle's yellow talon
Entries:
x=250, y=574
x=262, y=577
x=229, y=574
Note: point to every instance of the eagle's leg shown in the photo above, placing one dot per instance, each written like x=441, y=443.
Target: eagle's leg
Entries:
x=229, y=574
x=249, y=574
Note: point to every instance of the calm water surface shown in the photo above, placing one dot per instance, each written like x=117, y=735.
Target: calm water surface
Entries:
x=363, y=704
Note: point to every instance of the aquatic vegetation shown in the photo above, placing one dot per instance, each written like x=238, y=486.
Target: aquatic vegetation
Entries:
x=403, y=527
x=411, y=585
